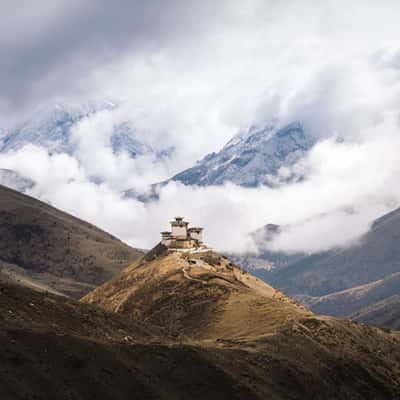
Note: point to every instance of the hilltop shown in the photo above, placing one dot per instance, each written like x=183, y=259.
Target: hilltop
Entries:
x=264, y=339
x=198, y=295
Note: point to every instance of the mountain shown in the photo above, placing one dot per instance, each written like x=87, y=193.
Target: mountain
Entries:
x=45, y=248
x=355, y=281
x=268, y=343
x=51, y=128
x=384, y=313
x=258, y=156
x=263, y=261
x=377, y=302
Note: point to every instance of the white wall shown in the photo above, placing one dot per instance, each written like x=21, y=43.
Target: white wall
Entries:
x=166, y=242
x=196, y=236
x=179, y=231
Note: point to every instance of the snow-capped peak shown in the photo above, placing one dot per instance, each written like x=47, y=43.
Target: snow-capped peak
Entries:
x=255, y=156
x=51, y=126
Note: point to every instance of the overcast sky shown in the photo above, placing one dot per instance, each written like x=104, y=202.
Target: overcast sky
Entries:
x=190, y=74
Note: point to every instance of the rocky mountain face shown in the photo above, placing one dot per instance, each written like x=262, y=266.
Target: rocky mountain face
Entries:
x=51, y=128
x=360, y=281
x=47, y=249
x=258, y=156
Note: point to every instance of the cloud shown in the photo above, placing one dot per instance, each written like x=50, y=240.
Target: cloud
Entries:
x=337, y=229
x=49, y=48
x=258, y=63
x=347, y=186
x=92, y=139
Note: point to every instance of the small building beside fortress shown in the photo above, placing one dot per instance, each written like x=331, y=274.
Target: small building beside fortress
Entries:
x=182, y=237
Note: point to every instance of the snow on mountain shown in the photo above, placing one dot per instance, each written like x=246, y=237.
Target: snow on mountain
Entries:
x=51, y=128
x=257, y=156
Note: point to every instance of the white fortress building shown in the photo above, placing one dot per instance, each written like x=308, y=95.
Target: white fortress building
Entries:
x=182, y=237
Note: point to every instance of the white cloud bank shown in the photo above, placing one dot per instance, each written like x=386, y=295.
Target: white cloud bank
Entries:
x=348, y=185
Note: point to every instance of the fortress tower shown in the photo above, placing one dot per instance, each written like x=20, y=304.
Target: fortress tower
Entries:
x=182, y=238
x=179, y=228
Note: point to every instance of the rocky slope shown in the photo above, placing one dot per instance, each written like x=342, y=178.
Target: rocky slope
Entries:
x=45, y=248
x=275, y=347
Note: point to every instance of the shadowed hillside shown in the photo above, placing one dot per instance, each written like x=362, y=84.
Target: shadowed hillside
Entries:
x=47, y=249
x=55, y=348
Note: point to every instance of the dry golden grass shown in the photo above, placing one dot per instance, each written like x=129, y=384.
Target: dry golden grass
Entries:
x=276, y=347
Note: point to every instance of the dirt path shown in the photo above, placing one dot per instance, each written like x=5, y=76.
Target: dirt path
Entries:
x=187, y=276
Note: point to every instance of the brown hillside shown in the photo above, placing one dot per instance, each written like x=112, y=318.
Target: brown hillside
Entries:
x=275, y=347
x=201, y=295
x=235, y=338
x=45, y=248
